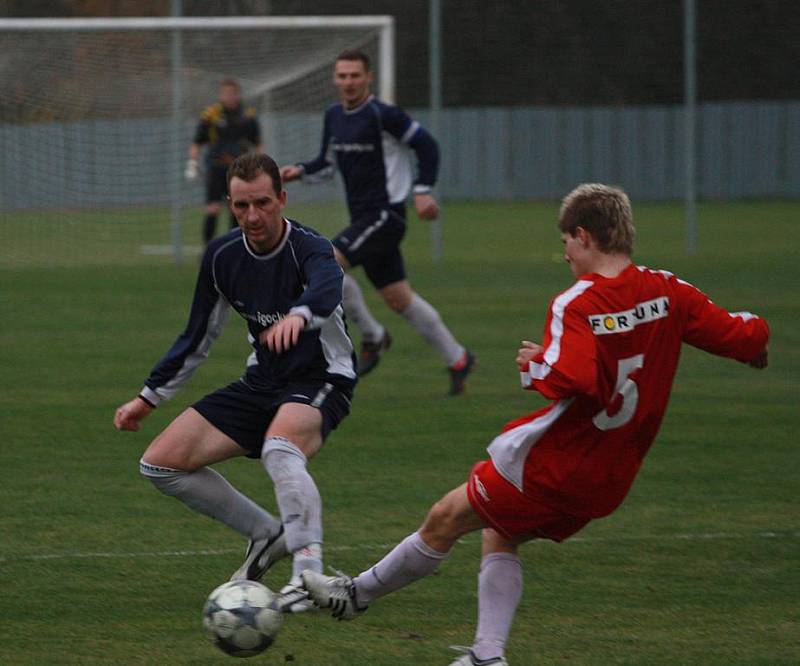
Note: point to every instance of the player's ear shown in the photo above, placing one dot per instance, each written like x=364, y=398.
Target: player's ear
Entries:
x=583, y=236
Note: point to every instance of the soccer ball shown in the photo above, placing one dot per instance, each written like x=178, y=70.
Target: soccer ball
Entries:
x=241, y=618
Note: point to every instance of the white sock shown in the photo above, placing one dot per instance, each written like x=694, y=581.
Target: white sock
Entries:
x=424, y=318
x=410, y=560
x=297, y=494
x=499, y=592
x=355, y=307
x=209, y=493
x=308, y=557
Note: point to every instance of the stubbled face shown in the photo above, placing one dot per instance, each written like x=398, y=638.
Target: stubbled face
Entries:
x=352, y=80
x=258, y=209
x=230, y=97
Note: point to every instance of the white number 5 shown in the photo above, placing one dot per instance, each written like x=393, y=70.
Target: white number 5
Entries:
x=626, y=388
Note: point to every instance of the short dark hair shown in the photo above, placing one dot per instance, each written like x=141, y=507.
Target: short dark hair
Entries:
x=605, y=212
x=230, y=81
x=249, y=166
x=355, y=54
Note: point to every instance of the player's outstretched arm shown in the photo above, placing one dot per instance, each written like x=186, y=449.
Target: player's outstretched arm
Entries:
x=284, y=334
x=128, y=416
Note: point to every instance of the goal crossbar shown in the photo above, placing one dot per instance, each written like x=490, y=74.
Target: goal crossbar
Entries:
x=384, y=24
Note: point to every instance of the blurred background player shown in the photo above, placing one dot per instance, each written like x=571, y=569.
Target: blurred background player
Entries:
x=282, y=279
x=611, y=347
x=371, y=144
x=228, y=129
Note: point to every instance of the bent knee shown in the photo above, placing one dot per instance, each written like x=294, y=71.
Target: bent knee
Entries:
x=397, y=299
x=442, y=522
x=166, y=479
x=397, y=295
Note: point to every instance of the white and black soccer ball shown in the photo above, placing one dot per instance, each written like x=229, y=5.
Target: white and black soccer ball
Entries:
x=241, y=618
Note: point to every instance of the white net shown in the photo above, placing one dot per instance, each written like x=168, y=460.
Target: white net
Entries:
x=93, y=138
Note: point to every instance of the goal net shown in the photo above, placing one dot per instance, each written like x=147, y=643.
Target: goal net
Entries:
x=97, y=115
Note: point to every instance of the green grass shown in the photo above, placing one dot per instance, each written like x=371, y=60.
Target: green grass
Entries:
x=701, y=565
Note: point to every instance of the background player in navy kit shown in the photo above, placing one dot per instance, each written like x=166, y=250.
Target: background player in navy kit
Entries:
x=370, y=142
x=282, y=278
x=229, y=130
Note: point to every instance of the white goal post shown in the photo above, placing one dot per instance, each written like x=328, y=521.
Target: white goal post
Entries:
x=109, y=94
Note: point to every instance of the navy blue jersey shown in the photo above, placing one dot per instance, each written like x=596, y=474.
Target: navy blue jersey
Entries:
x=228, y=133
x=371, y=145
x=300, y=276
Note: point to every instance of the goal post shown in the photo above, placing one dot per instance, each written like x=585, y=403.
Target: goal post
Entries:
x=98, y=114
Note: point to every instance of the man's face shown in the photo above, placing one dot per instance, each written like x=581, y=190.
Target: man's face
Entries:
x=258, y=209
x=230, y=97
x=352, y=80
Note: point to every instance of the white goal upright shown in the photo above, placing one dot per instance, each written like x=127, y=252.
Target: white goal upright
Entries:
x=97, y=115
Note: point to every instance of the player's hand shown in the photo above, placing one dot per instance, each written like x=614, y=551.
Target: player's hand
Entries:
x=284, y=334
x=192, y=170
x=128, y=416
x=427, y=208
x=527, y=352
x=290, y=173
x=761, y=361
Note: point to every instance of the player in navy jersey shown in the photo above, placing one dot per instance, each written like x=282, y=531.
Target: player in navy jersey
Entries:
x=282, y=279
x=371, y=143
x=607, y=361
x=228, y=129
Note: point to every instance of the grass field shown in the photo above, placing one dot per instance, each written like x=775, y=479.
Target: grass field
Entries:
x=701, y=565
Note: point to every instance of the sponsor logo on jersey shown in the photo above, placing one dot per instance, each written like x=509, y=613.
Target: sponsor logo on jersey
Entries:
x=265, y=320
x=353, y=147
x=621, y=322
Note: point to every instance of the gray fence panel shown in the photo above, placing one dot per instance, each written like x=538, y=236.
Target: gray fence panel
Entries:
x=792, y=159
x=745, y=149
x=712, y=152
x=533, y=145
x=576, y=164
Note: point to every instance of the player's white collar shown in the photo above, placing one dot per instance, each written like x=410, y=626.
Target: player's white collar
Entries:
x=276, y=250
x=358, y=108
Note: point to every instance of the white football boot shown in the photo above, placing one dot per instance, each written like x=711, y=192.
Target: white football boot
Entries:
x=293, y=598
x=335, y=592
x=261, y=554
x=469, y=658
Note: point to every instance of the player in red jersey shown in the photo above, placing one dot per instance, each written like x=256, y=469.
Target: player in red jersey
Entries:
x=607, y=361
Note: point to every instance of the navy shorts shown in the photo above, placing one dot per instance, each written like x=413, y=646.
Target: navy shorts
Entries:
x=373, y=241
x=216, y=183
x=244, y=413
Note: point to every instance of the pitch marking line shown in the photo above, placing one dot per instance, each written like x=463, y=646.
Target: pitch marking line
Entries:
x=168, y=250
x=707, y=536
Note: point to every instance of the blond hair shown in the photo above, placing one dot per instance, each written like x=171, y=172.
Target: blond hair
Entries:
x=604, y=211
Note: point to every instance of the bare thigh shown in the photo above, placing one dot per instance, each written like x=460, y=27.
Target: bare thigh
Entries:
x=300, y=424
x=449, y=519
x=189, y=443
x=494, y=542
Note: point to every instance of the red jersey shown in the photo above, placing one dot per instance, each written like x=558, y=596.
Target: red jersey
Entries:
x=611, y=349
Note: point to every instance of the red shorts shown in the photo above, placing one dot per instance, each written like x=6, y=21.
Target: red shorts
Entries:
x=513, y=514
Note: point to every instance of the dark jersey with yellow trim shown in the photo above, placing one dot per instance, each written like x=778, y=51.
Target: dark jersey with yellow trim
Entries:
x=228, y=133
